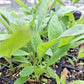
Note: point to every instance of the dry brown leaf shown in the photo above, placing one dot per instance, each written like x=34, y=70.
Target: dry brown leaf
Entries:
x=64, y=73
x=82, y=45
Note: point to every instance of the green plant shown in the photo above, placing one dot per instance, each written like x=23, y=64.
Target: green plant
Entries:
x=62, y=79
x=73, y=2
x=24, y=38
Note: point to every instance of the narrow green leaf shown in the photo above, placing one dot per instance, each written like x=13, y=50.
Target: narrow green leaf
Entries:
x=4, y=36
x=38, y=4
x=76, y=1
x=44, y=80
x=26, y=11
x=21, y=3
x=21, y=80
x=42, y=13
x=25, y=65
x=15, y=15
x=71, y=61
x=66, y=9
x=57, y=79
x=78, y=38
x=47, y=75
x=63, y=80
x=81, y=63
x=20, y=53
x=71, y=0
x=33, y=19
x=26, y=71
x=8, y=17
x=77, y=82
x=77, y=43
x=20, y=59
x=81, y=53
x=53, y=4
x=51, y=72
x=60, y=2
x=75, y=30
x=4, y=17
x=5, y=24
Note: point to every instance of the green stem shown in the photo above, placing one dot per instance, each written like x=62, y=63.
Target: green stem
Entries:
x=10, y=62
x=11, y=65
x=4, y=65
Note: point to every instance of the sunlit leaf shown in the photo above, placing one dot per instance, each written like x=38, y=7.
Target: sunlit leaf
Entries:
x=66, y=9
x=51, y=72
x=81, y=53
x=42, y=48
x=42, y=13
x=20, y=59
x=20, y=53
x=58, y=55
x=36, y=41
x=25, y=65
x=75, y=30
x=65, y=41
x=26, y=71
x=54, y=28
x=17, y=40
x=57, y=7
x=76, y=1
x=21, y=80
x=8, y=16
x=21, y=3
x=5, y=24
x=4, y=36
x=39, y=72
x=81, y=21
x=77, y=82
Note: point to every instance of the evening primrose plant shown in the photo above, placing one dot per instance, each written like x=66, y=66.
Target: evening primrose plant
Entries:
x=60, y=41
x=24, y=39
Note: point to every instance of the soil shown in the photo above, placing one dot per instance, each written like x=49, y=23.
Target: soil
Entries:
x=72, y=75
x=7, y=74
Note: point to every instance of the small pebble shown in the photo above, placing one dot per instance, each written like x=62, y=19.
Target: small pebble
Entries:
x=80, y=71
x=74, y=71
x=0, y=74
x=70, y=76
